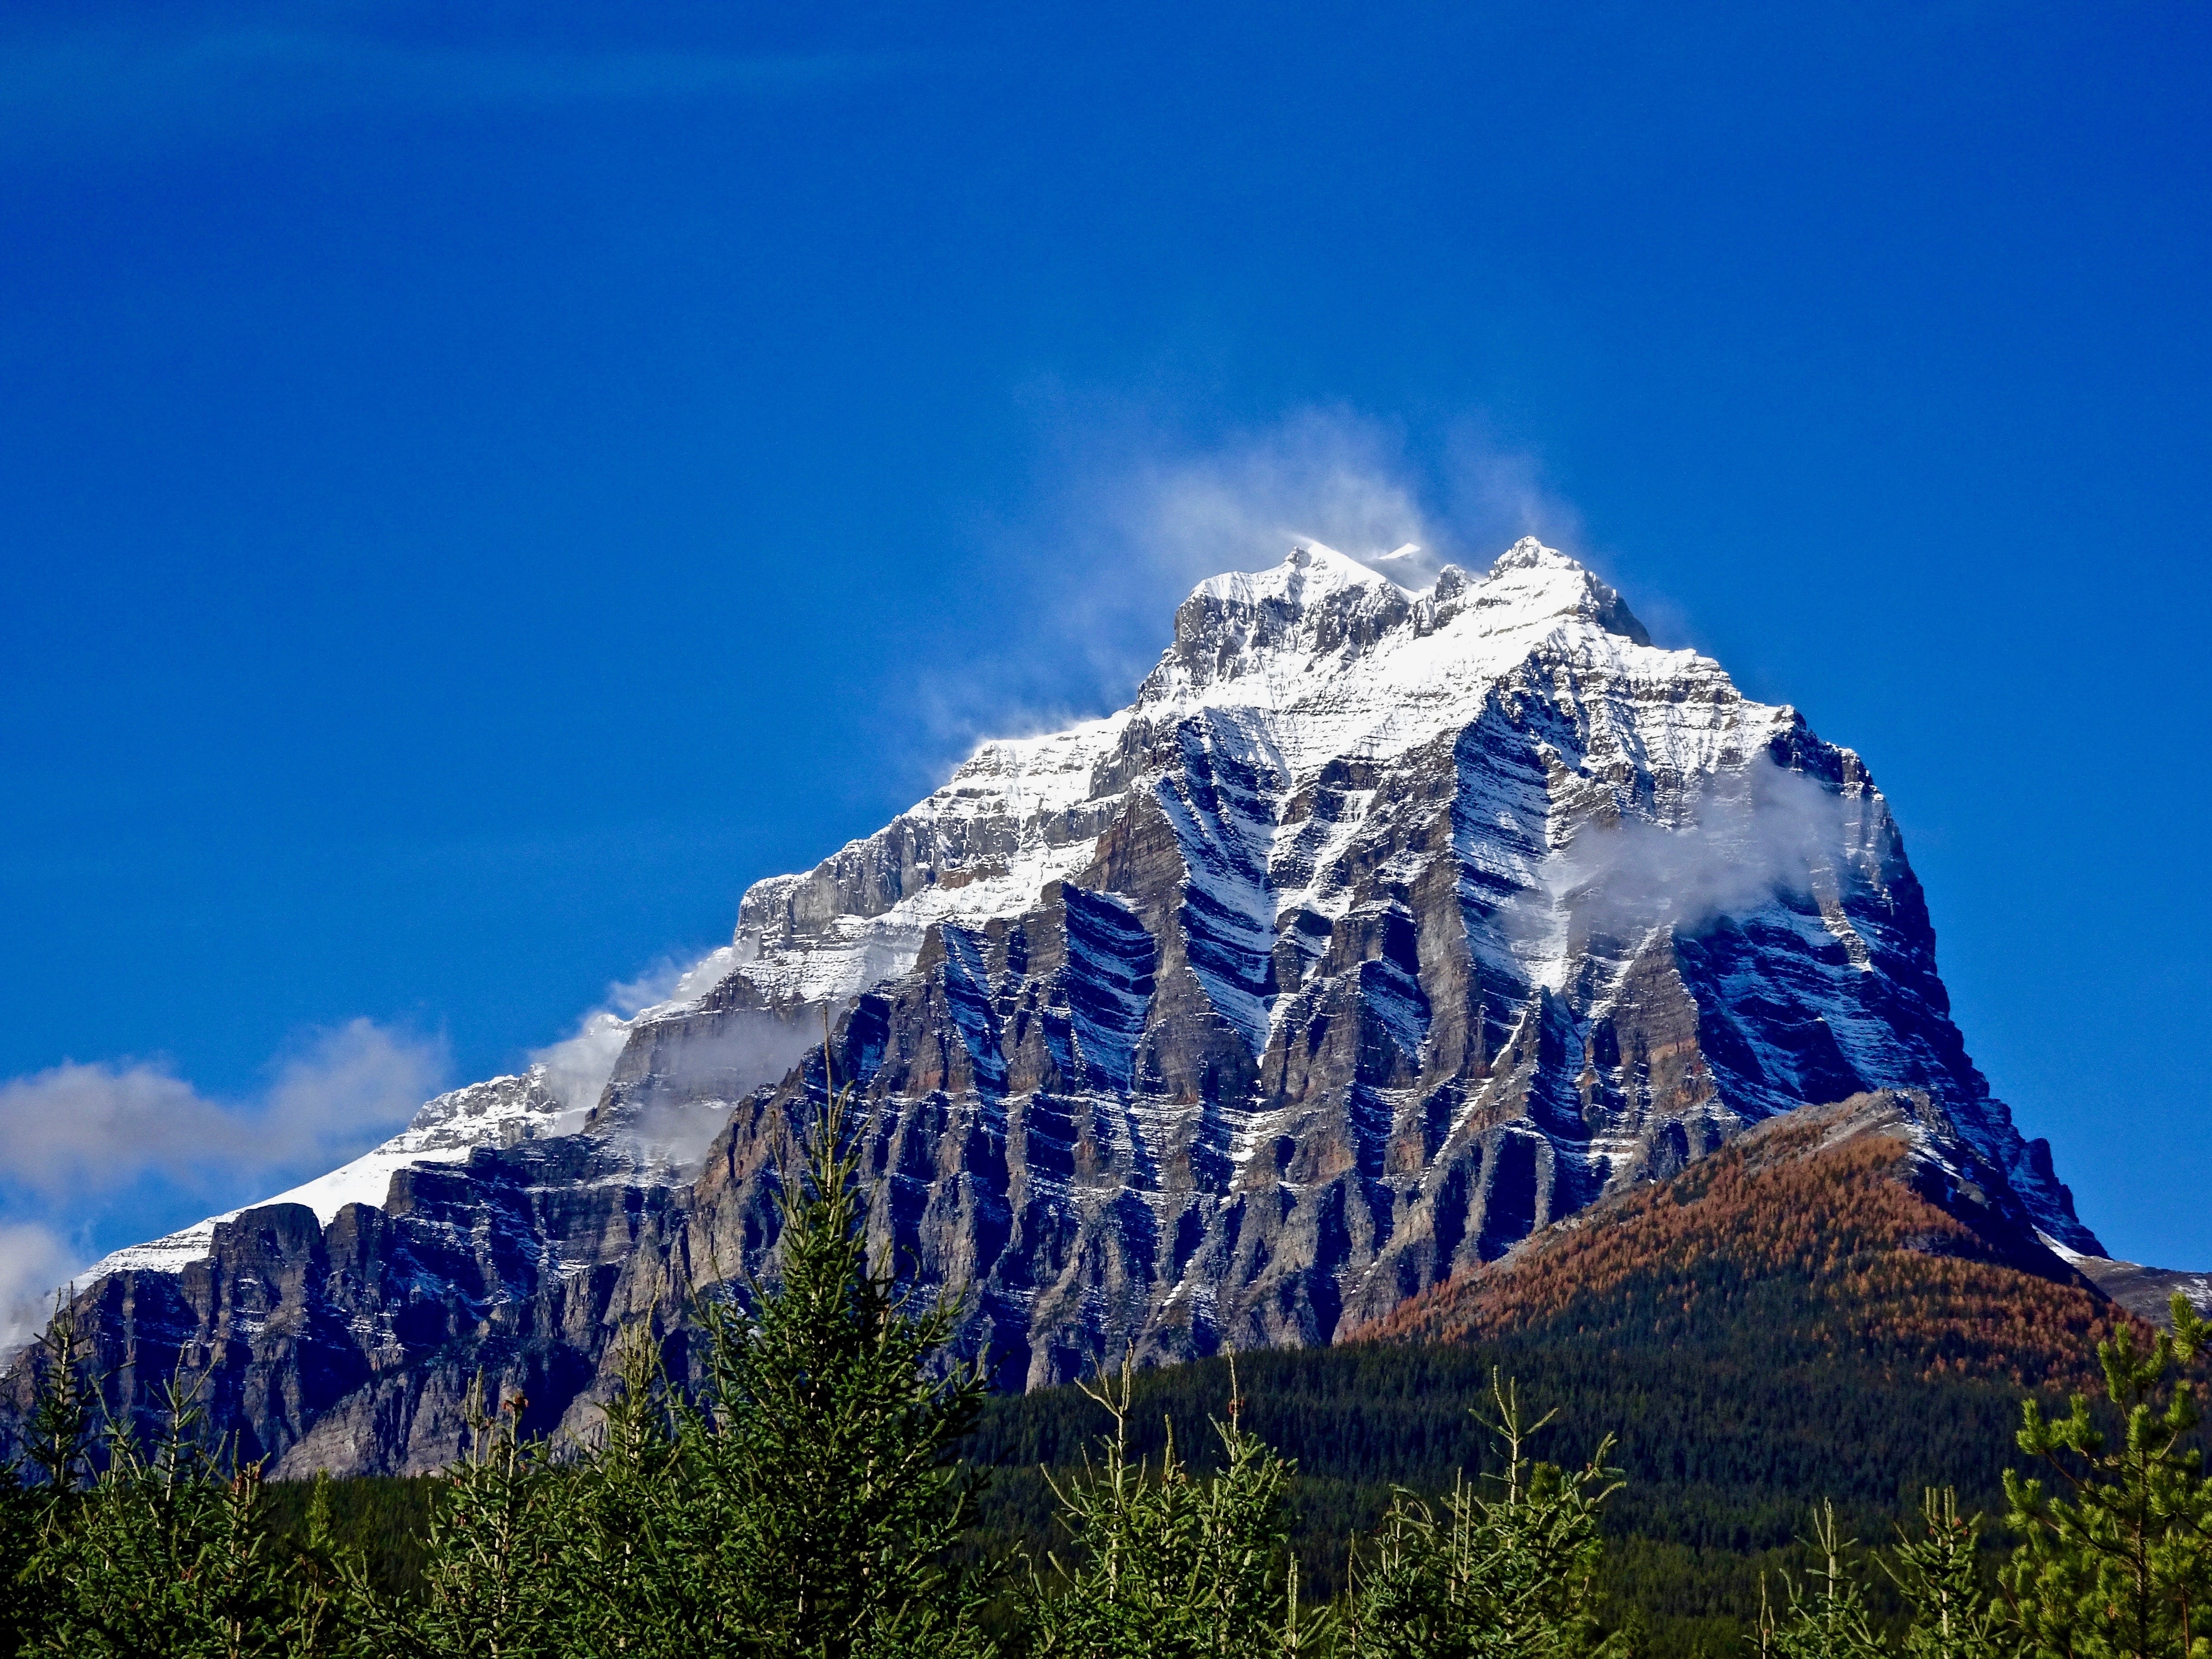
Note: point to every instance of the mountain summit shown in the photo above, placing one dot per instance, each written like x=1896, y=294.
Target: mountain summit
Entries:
x=1383, y=929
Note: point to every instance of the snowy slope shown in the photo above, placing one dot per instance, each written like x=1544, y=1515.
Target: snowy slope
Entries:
x=446, y=1130
x=1384, y=928
x=1657, y=814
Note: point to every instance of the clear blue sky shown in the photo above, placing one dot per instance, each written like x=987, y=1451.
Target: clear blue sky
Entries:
x=480, y=485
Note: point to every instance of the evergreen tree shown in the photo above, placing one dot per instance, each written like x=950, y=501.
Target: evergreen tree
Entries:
x=1939, y=1572
x=37, y=1499
x=491, y=1587
x=168, y=1554
x=1170, y=1564
x=828, y=1493
x=20, y=1522
x=1508, y=1576
x=65, y=1409
x=321, y=1575
x=2117, y=1562
x=634, y=1558
x=1828, y=1622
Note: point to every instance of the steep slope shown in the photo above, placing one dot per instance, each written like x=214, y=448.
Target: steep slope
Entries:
x=2145, y=1291
x=1382, y=930
x=1833, y=1230
x=1415, y=923
x=1816, y=1312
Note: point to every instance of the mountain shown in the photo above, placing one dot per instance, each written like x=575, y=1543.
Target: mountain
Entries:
x=1838, y=1230
x=1818, y=1312
x=1383, y=930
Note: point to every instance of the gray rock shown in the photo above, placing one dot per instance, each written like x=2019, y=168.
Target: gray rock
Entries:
x=1381, y=930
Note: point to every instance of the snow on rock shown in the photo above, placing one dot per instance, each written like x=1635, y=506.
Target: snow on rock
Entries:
x=1384, y=927
x=1316, y=659
x=1609, y=802
x=446, y=1130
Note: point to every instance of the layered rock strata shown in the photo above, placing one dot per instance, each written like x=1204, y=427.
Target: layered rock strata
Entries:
x=1383, y=929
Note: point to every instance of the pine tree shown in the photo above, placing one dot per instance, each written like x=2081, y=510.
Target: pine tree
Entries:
x=22, y=1520
x=2117, y=1562
x=65, y=1411
x=633, y=1556
x=1829, y=1622
x=1170, y=1565
x=1939, y=1573
x=827, y=1488
x=320, y=1573
x=491, y=1587
x=1511, y=1575
x=39, y=1499
x=168, y=1554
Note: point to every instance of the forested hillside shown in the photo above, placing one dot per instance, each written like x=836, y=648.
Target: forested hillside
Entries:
x=1793, y=1319
x=1833, y=1233
x=1614, y=1441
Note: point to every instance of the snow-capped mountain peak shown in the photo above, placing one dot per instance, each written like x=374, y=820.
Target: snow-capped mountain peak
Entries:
x=1386, y=925
x=1312, y=573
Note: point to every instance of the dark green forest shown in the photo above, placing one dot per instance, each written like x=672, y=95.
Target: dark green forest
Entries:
x=1603, y=1484
x=1724, y=1456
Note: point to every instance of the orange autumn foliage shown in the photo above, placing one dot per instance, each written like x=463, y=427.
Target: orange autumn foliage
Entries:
x=1829, y=1241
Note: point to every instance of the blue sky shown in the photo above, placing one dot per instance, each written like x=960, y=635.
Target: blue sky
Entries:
x=480, y=486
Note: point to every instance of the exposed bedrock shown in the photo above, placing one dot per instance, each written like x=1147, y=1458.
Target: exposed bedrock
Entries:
x=1383, y=931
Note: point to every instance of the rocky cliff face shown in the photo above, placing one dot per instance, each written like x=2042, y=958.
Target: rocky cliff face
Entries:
x=1381, y=930
x=1825, y=1235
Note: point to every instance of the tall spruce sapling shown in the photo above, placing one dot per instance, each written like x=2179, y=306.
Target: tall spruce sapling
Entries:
x=38, y=1500
x=830, y=1482
x=171, y=1551
x=633, y=1553
x=324, y=1576
x=1826, y=1615
x=492, y=1586
x=1169, y=1564
x=1939, y=1572
x=20, y=1520
x=2116, y=1557
x=66, y=1408
x=1514, y=1573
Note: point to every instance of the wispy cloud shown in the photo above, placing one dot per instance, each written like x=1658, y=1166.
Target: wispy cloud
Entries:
x=1135, y=512
x=1752, y=836
x=74, y=1128
x=1324, y=475
x=163, y=78
x=75, y=1138
x=708, y=1073
x=35, y=1261
x=577, y=1067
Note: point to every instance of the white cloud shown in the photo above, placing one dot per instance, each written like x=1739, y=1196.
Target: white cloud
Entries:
x=34, y=1262
x=76, y=1138
x=1757, y=834
x=578, y=1067
x=1495, y=493
x=1368, y=487
x=1319, y=475
x=1136, y=512
x=76, y=1129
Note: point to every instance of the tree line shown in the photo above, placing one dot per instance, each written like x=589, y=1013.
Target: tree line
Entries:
x=810, y=1500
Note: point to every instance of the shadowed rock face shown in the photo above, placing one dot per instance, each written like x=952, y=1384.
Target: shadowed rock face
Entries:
x=1381, y=930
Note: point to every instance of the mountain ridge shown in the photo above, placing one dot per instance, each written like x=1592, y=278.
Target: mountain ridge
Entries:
x=1881, y=1250
x=1382, y=930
